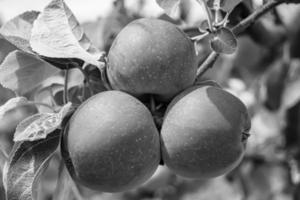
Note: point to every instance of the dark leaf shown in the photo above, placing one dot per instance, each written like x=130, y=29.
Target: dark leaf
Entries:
x=40, y=125
x=18, y=30
x=223, y=41
x=170, y=6
x=5, y=48
x=26, y=163
x=65, y=188
x=56, y=34
x=22, y=72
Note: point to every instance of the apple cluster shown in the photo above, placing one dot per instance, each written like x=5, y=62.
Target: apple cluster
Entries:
x=112, y=143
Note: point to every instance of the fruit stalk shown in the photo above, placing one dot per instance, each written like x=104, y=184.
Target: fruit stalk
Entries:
x=66, y=96
x=239, y=28
x=208, y=63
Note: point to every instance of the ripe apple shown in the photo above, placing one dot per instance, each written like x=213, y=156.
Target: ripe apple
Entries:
x=204, y=132
x=151, y=56
x=111, y=144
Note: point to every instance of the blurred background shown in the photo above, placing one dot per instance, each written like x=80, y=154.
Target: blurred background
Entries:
x=264, y=73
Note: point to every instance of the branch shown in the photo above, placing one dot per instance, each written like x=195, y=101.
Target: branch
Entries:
x=240, y=27
x=244, y=24
x=208, y=63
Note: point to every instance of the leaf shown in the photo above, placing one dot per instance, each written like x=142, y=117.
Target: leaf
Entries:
x=65, y=188
x=18, y=30
x=40, y=125
x=26, y=163
x=225, y=5
x=6, y=94
x=11, y=104
x=78, y=32
x=223, y=41
x=56, y=32
x=291, y=95
x=22, y=72
x=170, y=6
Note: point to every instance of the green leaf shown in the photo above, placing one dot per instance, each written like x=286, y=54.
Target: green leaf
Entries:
x=18, y=30
x=225, y=5
x=25, y=165
x=66, y=188
x=170, y=6
x=6, y=94
x=40, y=125
x=5, y=48
x=22, y=72
x=12, y=104
x=223, y=41
x=56, y=34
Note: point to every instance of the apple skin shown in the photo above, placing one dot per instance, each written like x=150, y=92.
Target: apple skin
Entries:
x=202, y=134
x=151, y=56
x=112, y=143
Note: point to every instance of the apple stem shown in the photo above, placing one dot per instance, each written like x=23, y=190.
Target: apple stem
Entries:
x=65, y=94
x=104, y=78
x=103, y=72
x=86, y=78
x=152, y=104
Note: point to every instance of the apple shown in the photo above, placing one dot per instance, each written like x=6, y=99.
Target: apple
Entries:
x=111, y=143
x=151, y=56
x=204, y=132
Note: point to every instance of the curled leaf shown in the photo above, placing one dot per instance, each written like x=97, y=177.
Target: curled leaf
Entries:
x=56, y=34
x=25, y=165
x=223, y=41
x=22, y=72
x=11, y=104
x=40, y=125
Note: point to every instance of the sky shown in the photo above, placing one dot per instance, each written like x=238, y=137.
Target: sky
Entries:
x=84, y=10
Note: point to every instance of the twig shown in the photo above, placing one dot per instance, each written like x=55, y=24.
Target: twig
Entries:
x=241, y=26
x=208, y=63
x=86, y=79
